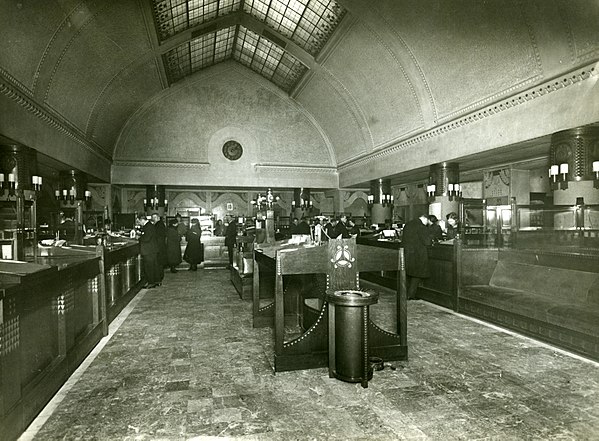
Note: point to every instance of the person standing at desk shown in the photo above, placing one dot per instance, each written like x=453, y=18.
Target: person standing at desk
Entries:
x=341, y=228
x=452, y=225
x=415, y=239
x=303, y=227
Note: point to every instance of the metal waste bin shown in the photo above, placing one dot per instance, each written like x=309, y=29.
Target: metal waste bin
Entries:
x=348, y=335
x=113, y=290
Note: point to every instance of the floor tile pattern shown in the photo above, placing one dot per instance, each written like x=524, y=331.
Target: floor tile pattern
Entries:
x=186, y=364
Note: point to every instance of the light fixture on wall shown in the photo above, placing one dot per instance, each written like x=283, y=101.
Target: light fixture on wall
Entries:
x=430, y=191
x=36, y=182
x=9, y=184
x=559, y=176
x=265, y=201
x=454, y=191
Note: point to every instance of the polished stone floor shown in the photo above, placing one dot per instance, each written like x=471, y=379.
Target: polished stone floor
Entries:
x=186, y=364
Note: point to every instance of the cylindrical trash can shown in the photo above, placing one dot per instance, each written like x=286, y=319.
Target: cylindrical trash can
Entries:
x=126, y=275
x=139, y=268
x=348, y=335
x=114, y=284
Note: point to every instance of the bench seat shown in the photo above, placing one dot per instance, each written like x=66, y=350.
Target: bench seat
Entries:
x=553, y=299
x=583, y=318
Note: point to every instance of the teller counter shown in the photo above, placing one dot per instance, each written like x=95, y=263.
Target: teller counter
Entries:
x=53, y=312
x=440, y=288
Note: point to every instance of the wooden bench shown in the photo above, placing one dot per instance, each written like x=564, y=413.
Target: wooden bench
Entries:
x=548, y=295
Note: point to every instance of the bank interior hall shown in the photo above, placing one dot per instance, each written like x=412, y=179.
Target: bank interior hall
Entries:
x=299, y=219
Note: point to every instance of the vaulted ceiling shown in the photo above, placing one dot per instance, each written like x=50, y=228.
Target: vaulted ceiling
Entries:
x=368, y=87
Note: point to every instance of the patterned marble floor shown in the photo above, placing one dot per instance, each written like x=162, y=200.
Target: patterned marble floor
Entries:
x=186, y=364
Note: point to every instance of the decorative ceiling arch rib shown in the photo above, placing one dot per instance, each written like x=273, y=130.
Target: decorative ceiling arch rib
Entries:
x=276, y=38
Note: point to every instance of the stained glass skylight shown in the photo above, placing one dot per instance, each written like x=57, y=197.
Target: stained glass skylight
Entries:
x=268, y=59
x=251, y=50
x=203, y=51
x=308, y=23
x=174, y=16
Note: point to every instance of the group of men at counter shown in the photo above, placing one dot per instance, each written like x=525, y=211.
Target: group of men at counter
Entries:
x=160, y=246
x=416, y=236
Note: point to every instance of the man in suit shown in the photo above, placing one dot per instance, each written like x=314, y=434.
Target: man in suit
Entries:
x=148, y=248
x=415, y=239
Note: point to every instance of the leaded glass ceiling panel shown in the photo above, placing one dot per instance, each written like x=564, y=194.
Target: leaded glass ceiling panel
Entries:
x=308, y=23
x=203, y=51
x=174, y=16
x=268, y=59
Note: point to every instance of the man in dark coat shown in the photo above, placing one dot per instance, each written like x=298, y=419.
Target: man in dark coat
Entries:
x=415, y=239
x=231, y=239
x=160, y=231
x=173, y=246
x=193, y=250
x=341, y=228
x=148, y=248
x=293, y=228
x=303, y=227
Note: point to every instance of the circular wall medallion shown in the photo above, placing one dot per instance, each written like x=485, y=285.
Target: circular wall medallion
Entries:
x=232, y=150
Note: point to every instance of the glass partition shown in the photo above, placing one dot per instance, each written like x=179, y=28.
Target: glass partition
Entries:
x=530, y=226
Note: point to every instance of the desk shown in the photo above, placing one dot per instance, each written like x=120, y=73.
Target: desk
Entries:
x=289, y=274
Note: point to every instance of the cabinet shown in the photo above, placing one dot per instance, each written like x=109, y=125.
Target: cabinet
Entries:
x=17, y=226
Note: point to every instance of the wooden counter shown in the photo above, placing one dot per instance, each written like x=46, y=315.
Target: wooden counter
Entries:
x=291, y=274
x=440, y=288
x=53, y=313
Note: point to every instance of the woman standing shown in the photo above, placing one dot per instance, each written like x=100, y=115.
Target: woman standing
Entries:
x=193, y=250
x=173, y=246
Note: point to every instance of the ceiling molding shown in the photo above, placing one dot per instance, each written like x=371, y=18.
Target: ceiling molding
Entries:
x=11, y=88
x=161, y=164
x=563, y=81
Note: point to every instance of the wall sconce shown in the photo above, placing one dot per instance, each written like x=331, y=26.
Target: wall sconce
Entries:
x=559, y=176
x=387, y=199
x=454, y=191
x=430, y=190
x=37, y=182
x=596, y=174
x=10, y=185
